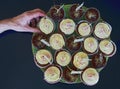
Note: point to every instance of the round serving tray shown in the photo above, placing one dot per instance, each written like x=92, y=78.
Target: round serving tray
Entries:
x=76, y=78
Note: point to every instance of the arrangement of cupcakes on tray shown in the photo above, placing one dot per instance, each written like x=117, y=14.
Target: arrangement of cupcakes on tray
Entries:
x=74, y=44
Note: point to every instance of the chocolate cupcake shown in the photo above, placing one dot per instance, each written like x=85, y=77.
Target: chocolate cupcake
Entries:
x=53, y=74
x=102, y=30
x=71, y=45
x=43, y=58
x=68, y=77
x=56, y=12
x=63, y=58
x=90, y=76
x=57, y=41
x=80, y=60
x=75, y=14
x=98, y=60
x=67, y=26
x=34, y=21
x=46, y=25
x=84, y=28
x=36, y=40
x=90, y=45
x=92, y=15
x=107, y=47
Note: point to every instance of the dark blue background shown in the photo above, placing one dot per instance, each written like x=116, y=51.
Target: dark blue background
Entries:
x=17, y=68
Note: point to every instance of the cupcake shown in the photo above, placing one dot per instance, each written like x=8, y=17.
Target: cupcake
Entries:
x=84, y=28
x=57, y=41
x=102, y=30
x=92, y=15
x=34, y=21
x=75, y=14
x=67, y=26
x=46, y=25
x=43, y=58
x=68, y=77
x=90, y=76
x=71, y=45
x=107, y=47
x=98, y=60
x=56, y=12
x=90, y=45
x=53, y=74
x=80, y=60
x=63, y=58
x=36, y=40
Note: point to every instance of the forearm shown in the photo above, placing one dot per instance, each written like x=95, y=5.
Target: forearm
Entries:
x=6, y=25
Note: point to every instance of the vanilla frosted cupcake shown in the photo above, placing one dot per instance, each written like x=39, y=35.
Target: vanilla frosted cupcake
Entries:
x=107, y=47
x=53, y=74
x=67, y=26
x=63, y=58
x=102, y=30
x=84, y=28
x=46, y=25
x=43, y=58
x=90, y=45
x=90, y=76
x=80, y=60
x=57, y=41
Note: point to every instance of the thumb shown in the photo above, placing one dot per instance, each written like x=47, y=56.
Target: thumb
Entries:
x=33, y=30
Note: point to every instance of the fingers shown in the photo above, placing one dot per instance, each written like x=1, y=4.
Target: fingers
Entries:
x=38, y=10
x=35, y=13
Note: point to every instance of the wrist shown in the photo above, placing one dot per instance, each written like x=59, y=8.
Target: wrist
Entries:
x=6, y=25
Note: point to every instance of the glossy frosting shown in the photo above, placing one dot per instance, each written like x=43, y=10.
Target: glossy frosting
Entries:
x=63, y=58
x=42, y=56
x=57, y=41
x=52, y=74
x=46, y=25
x=90, y=76
x=80, y=60
x=102, y=30
x=90, y=44
x=67, y=26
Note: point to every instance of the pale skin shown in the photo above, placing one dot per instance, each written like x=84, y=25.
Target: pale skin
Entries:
x=21, y=22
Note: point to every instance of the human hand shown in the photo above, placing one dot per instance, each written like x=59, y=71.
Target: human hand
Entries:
x=21, y=23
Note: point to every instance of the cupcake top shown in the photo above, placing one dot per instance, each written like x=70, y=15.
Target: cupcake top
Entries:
x=98, y=60
x=46, y=25
x=84, y=29
x=57, y=41
x=52, y=74
x=80, y=60
x=75, y=14
x=55, y=14
x=68, y=77
x=106, y=47
x=43, y=56
x=102, y=30
x=63, y=58
x=67, y=26
x=36, y=40
x=92, y=14
x=90, y=76
x=90, y=44
x=71, y=45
